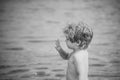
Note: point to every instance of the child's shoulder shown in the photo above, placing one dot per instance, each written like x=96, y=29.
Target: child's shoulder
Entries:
x=81, y=55
x=81, y=52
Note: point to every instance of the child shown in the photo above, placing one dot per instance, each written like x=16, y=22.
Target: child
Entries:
x=78, y=37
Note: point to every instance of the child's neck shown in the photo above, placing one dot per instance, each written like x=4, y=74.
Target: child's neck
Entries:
x=74, y=51
x=77, y=49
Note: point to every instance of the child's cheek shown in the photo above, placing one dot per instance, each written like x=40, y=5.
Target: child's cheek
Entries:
x=69, y=44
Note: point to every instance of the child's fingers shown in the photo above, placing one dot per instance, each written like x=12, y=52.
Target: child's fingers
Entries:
x=57, y=42
x=56, y=48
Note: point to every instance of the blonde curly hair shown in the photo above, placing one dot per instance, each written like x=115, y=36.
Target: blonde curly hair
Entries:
x=79, y=33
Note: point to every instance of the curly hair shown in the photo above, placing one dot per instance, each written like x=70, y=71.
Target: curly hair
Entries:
x=79, y=33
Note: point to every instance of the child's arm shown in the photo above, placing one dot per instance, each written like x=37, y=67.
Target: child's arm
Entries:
x=82, y=66
x=62, y=53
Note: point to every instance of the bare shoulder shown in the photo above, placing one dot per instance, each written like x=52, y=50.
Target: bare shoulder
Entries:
x=81, y=56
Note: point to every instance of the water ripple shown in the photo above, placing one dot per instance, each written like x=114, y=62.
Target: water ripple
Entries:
x=42, y=74
x=18, y=71
x=97, y=65
x=27, y=75
x=104, y=75
x=43, y=64
x=57, y=70
x=115, y=61
x=60, y=75
x=52, y=79
x=11, y=66
x=14, y=48
x=35, y=41
x=42, y=68
x=5, y=66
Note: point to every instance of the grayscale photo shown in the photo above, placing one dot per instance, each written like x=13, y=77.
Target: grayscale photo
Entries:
x=59, y=40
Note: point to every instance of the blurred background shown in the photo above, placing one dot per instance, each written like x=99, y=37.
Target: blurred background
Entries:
x=29, y=28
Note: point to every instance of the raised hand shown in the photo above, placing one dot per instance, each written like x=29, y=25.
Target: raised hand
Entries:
x=57, y=43
x=62, y=53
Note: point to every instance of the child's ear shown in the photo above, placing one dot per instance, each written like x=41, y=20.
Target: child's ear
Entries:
x=79, y=42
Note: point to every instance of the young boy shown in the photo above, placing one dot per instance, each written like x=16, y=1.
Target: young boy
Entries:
x=78, y=37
